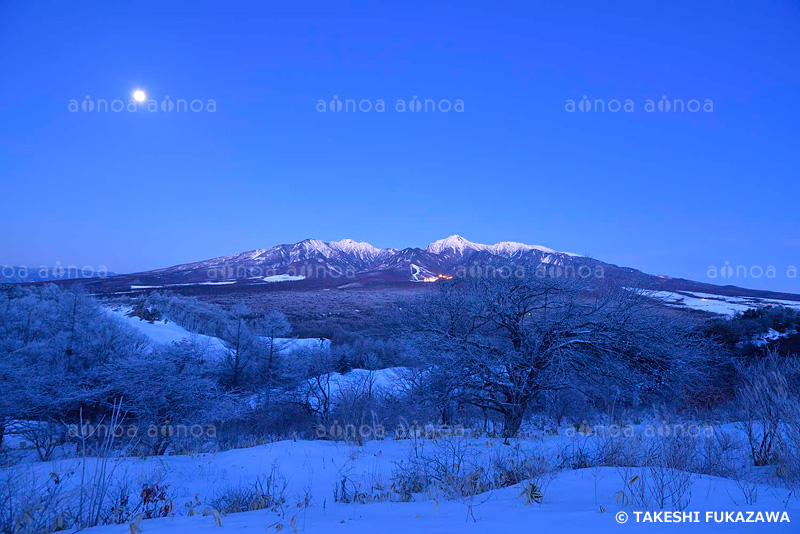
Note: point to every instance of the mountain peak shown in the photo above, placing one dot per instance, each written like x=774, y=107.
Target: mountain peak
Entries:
x=361, y=249
x=459, y=245
x=313, y=246
x=456, y=243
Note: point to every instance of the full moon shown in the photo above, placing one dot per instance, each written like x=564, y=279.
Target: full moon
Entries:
x=139, y=95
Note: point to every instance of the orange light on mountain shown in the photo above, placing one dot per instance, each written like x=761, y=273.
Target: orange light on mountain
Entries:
x=437, y=278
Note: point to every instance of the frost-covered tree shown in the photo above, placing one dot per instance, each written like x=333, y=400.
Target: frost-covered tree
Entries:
x=310, y=374
x=257, y=346
x=54, y=347
x=169, y=390
x=189, y=312
x=274, y=328
x=499, y=343
x=243, y=344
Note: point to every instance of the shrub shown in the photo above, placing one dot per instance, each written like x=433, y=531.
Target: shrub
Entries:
x=766, y=404
x=29, y=506
x=664, y=480
x=267, y=492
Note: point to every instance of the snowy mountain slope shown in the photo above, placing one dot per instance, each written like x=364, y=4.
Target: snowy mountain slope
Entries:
x=458, y=246
x=362, y=250
x=455, y=244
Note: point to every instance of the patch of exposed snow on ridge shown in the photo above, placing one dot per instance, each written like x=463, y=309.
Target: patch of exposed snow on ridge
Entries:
x=221, y=283
x=253, y=254
x=512, y=247
x=283, y=278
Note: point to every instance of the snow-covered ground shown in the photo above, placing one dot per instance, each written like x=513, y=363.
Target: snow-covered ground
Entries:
x=292, y=344
x=283, y=278
x=267, y=279
x=771, y=335
x=575, y=500
x=570, y=507
x=209, y=283
x=718, y=304
x=380, y=384
x=164, y=332
x=379, y=381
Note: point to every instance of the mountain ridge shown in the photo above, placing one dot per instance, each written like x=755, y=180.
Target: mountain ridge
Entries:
x=349, y=264
x=351, y=257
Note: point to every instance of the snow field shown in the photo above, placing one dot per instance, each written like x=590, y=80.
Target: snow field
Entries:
x=314, y=472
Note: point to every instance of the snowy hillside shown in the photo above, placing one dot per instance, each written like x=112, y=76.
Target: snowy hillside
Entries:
x=165, y=331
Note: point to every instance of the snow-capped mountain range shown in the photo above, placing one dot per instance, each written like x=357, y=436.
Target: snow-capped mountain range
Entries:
x=338, y=263
x=353, y=260
x=346, y=263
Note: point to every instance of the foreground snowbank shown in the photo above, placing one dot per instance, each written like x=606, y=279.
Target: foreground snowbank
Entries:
x=573, y=499
x=570, y=506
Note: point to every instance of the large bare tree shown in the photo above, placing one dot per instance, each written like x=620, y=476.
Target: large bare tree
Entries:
x=499, y=342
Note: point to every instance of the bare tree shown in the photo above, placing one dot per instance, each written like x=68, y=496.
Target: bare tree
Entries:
x=505, y=340
x=274, y=328
x=242, y=343
x=312, y=371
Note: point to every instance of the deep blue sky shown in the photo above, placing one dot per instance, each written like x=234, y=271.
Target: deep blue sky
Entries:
x=664, y=192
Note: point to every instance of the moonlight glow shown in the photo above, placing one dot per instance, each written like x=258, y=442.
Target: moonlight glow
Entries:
x=139, y=95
